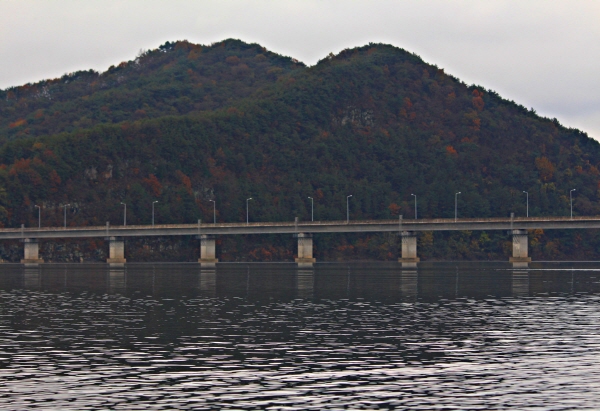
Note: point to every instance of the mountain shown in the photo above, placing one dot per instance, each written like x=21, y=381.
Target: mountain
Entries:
x=185, y=124
x=175, y=79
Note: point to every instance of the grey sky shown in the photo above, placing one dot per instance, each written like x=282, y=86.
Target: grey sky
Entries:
x=542, y=54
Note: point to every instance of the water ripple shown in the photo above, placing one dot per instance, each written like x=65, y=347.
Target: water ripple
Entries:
x=81, y=348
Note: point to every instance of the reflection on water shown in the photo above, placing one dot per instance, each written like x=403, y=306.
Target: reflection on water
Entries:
x=409, y=282
x=208, y=282
x=274, y=336
x=32, y=278
x=117, y=282
x=520, y=283
x=305, y=282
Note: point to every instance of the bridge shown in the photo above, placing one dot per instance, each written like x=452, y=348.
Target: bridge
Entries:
x=303, y=230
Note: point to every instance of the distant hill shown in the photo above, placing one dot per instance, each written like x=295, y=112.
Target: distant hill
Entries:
x=175, y=79
x=185, y=124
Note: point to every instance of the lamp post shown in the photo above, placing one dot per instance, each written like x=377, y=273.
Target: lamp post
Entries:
x=214, y=211
x=124, y=214
x=456, y=206
x=247, y=218
x=571, y=197
x=527, y=202
x=348, y=209
x=312, y=209
x=154, y=202
x=39, y=216
x=65, y=207
x=415, y=205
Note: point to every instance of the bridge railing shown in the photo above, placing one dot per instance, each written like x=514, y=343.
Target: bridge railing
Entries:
x=409, y=222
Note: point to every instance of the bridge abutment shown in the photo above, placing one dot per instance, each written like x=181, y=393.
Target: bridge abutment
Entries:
x=116, y=251
x=305, y=249
x=31, y=252
x=208, y=250
x=409, y=249
x=520, y=258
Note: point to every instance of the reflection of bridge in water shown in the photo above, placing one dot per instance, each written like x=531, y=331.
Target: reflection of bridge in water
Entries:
x=384, y=282
x=303, y=231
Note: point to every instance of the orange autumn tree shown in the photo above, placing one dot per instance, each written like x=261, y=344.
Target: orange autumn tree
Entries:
x=153, y=184
x=451, y=151
x=545, y=168
x=478, y=103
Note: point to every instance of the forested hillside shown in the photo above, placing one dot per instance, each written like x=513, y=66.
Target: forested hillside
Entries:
x=186, y=124
x=175, y=79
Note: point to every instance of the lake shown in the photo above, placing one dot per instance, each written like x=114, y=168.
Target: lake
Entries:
x=272, y=336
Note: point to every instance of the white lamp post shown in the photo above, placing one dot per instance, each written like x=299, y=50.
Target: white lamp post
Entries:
x=571, y=197
x=247, y=214
x=39, y=216
x=214, y=211
x=456, y=206
x=124, y=214
x=154, y=202
x=312, y=209
x=415, y=205
x=527, y=202
x=348, y=208
x=65, y=207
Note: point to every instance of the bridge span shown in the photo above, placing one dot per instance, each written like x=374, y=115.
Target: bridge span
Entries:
x=303, y=230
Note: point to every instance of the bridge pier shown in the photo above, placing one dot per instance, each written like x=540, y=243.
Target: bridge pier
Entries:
x=305, y=250
x=520, y=259
x=409, y=249
x=116, y=251
x=31, y=252
x=208, y=250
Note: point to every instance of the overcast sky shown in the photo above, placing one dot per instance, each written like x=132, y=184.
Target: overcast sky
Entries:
x=542, y=54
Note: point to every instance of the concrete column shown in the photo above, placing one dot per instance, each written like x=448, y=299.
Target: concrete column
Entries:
x=208, y=250
x=31, y=252
x=305, y=249
x=116, y=251
x=409, y=249
x=520, y=241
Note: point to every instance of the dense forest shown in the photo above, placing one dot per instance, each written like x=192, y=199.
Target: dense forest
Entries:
x=185, y=124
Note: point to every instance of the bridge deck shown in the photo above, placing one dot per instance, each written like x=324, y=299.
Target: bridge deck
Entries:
x=439, y=224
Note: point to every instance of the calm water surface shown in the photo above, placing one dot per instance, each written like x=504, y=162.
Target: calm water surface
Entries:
x=270, y=336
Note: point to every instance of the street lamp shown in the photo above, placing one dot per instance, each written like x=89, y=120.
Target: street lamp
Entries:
x=154, y=202
x=214, y=211
x=312, y=209
x=65, y=207
x=456, y=206
x=248, y=199
x=415, y=205
x=571, y=197
x=39, y=216
x=527, y=202
x=348, y=208
x=124, y=214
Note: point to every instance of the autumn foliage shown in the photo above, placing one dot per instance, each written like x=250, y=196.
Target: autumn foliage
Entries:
x=186, y=124
x=545, y=168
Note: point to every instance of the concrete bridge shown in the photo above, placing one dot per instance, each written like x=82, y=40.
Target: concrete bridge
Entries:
x=206, y=232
